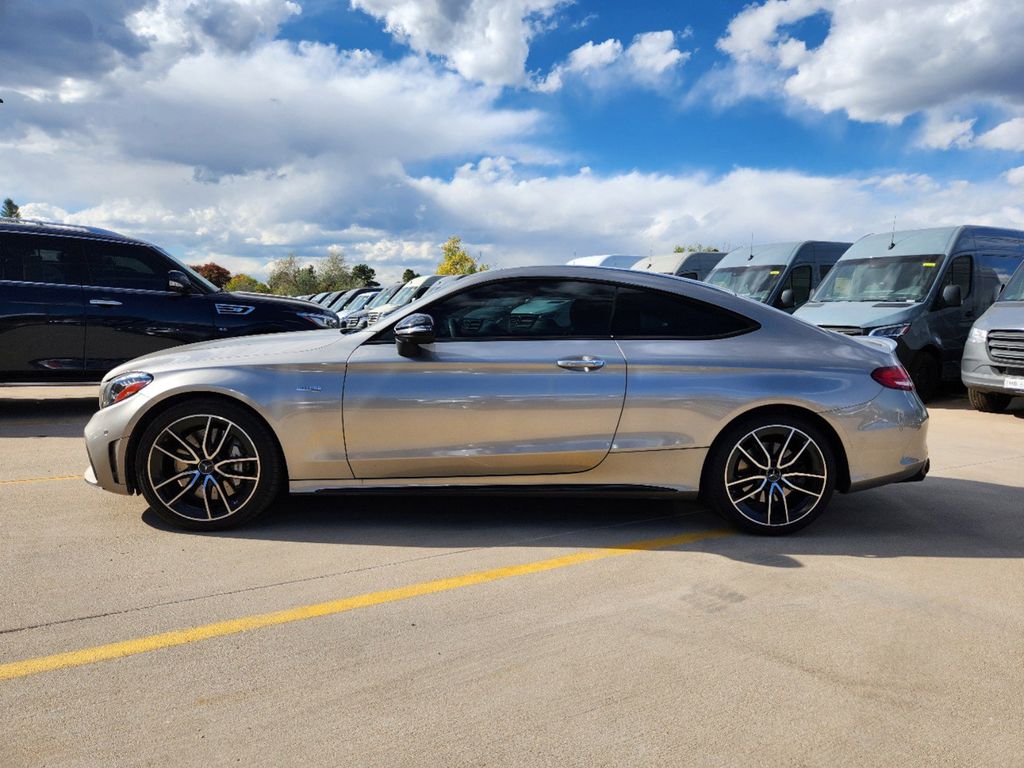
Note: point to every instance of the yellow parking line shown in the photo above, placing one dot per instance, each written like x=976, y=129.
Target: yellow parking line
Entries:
x=97, y=653
x=40, y=479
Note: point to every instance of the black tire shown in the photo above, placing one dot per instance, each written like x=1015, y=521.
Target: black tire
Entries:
x=790, y=443
x=926, y=373
x=203, y=452
x=988, y=402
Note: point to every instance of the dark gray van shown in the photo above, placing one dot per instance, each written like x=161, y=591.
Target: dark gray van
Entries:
x=992, y=368
x=781, y=275
x=695, y=265
x=923, y=288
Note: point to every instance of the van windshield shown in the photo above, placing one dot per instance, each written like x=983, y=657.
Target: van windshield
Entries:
x=404, y=296
x=1014, y=290
x=886, y=278
x=383, y=296
x=752, y=282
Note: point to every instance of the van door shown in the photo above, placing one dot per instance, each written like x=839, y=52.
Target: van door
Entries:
x=952, y=324
x=42, y=314
x=129, y=310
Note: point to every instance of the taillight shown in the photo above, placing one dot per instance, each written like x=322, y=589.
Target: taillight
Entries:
x=893, y=377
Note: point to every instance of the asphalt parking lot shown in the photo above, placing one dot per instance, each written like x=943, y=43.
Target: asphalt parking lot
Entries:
x=506, y=631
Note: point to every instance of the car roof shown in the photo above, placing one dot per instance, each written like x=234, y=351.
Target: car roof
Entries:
x=40, y=227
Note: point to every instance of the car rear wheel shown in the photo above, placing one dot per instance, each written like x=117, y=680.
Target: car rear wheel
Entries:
x=771, y=475
x=208, y=465
x=988, y=402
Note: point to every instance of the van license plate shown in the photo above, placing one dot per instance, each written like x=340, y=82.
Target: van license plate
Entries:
x=1014, y=382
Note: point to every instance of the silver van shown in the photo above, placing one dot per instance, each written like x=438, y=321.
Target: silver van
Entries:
x=992, y=368
x=923, y=288
x=695, y=265
x=781, y=275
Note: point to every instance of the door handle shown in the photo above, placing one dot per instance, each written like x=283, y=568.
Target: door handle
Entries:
x=586, y=364
x=104, y=303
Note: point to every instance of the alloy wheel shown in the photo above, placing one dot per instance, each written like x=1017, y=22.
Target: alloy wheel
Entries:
x=775, y=475
x=204, y=467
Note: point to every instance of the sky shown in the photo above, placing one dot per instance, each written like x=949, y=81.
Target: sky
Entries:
x=240, y=131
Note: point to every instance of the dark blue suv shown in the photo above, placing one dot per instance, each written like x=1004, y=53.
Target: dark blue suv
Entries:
x=77, y=301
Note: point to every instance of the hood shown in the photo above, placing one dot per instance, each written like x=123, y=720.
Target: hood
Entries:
x=267, y=348
x=1004, y=315
x=263, y=299
x=863, y=314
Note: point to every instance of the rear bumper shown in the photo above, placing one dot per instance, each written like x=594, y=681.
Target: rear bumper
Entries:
x=885, y=439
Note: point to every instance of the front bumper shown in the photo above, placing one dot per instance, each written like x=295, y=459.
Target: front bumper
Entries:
x=977, y=371
x=107, y=445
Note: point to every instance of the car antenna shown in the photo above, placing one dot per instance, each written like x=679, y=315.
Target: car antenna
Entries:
x=892, y=237
x=751, y=256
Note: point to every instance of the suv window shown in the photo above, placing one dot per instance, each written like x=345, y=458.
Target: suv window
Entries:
x=960, y=274
x=647, y=314
x=39, y=260
x=517, y=309
x=119, y=265
x=799, y=281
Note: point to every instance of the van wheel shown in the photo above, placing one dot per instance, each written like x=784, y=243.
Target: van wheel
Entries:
x=771, y=475
x=988, y=402
x=208, y=465
x=926, y=373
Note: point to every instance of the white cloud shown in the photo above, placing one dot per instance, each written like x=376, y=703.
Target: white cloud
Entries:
x=1008, y=135
x=881, y=61
x=1015, y=176
x=485, y=40
x=650, y=60
x=941, y=133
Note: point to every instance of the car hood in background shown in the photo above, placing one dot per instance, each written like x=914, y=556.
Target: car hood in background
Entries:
x=863, y=314
x=1004, y=315
x=262, y=299
x=266, y=349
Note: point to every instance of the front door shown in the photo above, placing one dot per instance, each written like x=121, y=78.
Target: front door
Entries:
x=130, y=311
x=42, y=317
x=524, y=378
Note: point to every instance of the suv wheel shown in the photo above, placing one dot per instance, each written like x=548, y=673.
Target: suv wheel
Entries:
x=988, y=402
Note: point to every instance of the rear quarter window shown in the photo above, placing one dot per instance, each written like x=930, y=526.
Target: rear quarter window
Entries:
x=648, y=314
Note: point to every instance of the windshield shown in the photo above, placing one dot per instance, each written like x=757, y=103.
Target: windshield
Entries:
x=404, y=296
x=383, y=296
x=360, y=301
x=887, y=278
x=1014, y=290
x=191, y=272
x=753, y=282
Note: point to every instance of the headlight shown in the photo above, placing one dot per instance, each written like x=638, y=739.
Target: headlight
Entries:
x=891, y=331
x=977, y=336
x=122, y=387
x=319, y=320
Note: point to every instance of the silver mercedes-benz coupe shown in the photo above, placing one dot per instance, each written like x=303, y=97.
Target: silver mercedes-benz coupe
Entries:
x=559, y=378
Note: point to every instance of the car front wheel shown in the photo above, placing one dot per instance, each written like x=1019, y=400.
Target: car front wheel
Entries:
x=771, y=475
x=208, y=465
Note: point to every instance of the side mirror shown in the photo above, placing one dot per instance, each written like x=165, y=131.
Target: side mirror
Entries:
x=786, y=299
x=951, y=296
x=412, y=331
x=178, y=282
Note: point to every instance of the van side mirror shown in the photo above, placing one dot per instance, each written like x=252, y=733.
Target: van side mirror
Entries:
x=412, y=331
x=952, y=296
x=786, y=299
x=178, y=282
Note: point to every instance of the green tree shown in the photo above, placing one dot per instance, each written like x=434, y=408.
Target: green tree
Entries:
x=10, y=210
x=290, y=278
x=694, y=248
x=409, y=275
x=215, y=273
x=455, y=260
x=243, y=282
x=333, y=274
x=364, y=275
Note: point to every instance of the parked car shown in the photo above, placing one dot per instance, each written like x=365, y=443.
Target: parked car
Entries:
x=78, y=301
x=319, y=297
x=346, y=297
x=586, y=379
x=615, y=260
x=356, y=304
x=782, y=275
x=409, y=292
x=923, y=288
x=357, y=319
x=992, y=368
x=695, y=265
